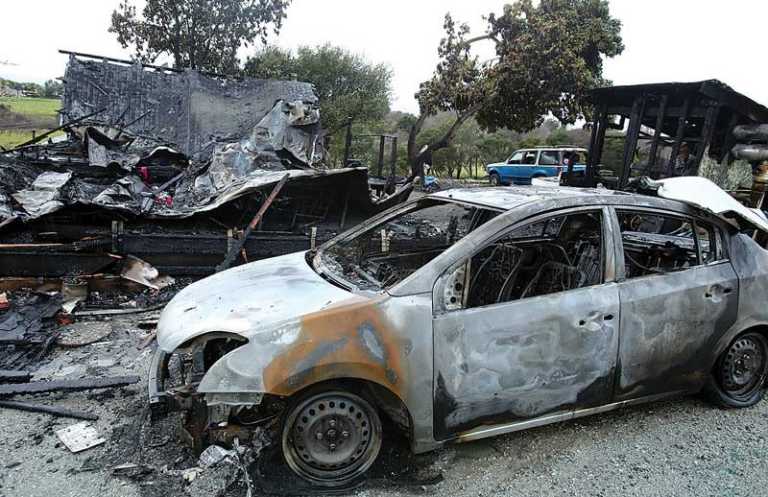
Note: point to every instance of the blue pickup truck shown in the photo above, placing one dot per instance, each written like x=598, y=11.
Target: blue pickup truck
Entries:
x=528, y=163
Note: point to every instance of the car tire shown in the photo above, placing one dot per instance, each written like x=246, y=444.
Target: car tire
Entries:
x=331, y=437
x=739, y=376
x=494, y=179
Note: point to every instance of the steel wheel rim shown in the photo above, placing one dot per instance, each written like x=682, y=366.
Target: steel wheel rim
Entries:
x=744, y=366
x=494, y=180
x=331, y=438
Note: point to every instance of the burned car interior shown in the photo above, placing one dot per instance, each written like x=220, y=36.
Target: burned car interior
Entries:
x=657, y=244
x=388, y=253
x=547, y=256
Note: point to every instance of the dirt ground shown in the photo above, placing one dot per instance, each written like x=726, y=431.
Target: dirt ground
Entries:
x=682, y=447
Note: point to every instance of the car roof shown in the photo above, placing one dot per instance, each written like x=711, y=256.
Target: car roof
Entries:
x=509, y=197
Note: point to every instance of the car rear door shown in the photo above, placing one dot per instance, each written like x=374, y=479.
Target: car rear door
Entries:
x=678, y=293
x=528, y=325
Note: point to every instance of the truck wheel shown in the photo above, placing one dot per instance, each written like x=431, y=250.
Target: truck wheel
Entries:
x=738, y=379
x=331, y=438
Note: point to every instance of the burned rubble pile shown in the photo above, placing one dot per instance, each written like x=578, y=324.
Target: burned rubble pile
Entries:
x=155, y=178
x=169, y=167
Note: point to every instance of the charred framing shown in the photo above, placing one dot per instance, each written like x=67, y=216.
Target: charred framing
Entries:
x=170, y=166
x=702, y=114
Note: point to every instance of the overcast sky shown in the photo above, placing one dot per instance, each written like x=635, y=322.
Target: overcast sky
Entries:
x=666, y=40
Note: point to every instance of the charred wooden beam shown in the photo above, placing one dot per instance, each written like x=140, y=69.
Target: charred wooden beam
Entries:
x=54, y=410
x=14, y=376
x=67, y=385
x=681, y=123
x=237, y=247
x=658, y=130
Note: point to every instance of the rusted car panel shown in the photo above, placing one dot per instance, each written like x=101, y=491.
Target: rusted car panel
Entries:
x=458, y=371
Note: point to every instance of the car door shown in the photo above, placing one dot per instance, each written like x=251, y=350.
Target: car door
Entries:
x=522, y=173
x=506, y=172
x=527, y=325
x=678, y=293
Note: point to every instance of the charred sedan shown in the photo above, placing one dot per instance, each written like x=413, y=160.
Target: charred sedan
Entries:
x=468, y=314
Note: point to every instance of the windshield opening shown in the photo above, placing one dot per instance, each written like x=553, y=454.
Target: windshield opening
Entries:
x=393, y=249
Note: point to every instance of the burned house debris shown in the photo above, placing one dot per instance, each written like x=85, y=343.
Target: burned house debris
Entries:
x=700, y=117
x=169, y=167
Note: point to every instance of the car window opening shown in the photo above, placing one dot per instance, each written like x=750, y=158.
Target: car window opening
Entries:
x=392, y=250
x=553, y=255
x=657, y=244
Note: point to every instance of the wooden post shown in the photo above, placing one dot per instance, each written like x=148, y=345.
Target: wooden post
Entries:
x=347, y=144
x=679, y=135
x=630, y=143
x=657, y=131
x=381, y=157
x=706, y=132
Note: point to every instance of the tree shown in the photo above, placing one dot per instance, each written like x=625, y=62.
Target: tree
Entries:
x=52, y=89
x=547, y=57
x=347, y=85
x=197, y=34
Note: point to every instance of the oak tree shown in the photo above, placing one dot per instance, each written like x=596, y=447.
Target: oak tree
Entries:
x=198, y=34
x=547, y=57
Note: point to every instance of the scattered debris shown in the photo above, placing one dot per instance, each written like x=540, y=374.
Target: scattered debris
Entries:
x=67, y=385
x=79, y=437
x=143, y=273
x=13, y=376
x=84, y=333
x=56, y=411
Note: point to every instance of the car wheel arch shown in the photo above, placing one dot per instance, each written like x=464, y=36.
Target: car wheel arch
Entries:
x=385, y=399
x=736, y=330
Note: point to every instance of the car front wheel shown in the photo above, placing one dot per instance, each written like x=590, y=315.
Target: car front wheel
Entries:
x=331, y=438
x=738, y=379
x=494, y=179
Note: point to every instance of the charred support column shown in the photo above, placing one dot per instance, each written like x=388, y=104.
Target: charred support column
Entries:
x=706, y=133
x=630, y=143
x=347, y=143
x=593, y=159
x=657, y=131
x=381, y=156
x=393, y=158
x=679, y=135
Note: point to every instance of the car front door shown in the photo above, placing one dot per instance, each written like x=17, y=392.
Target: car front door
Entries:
x=678, y=293
x=527, y=325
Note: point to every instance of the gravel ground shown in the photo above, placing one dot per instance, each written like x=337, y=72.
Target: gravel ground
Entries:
x=682, y=447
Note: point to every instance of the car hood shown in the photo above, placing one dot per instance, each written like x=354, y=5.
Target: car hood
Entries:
x=705, y=194
x=496, y=164
x=245, y=300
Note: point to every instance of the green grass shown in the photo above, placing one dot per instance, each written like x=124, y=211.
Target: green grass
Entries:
x=33, y=107
x=11, y=138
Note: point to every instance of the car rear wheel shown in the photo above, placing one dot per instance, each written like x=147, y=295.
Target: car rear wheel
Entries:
x=331, y=438
x=738, y=379
x=494, y=179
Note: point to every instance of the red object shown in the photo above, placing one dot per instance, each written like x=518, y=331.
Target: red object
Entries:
x=62, y=318
x=144, y=173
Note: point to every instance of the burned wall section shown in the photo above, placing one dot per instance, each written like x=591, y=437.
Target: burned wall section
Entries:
x=186, y=109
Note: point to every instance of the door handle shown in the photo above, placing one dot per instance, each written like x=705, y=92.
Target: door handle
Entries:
x=593, y=317
x=717, y=290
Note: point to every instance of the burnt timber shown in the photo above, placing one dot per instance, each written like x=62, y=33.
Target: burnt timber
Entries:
x=702, y=114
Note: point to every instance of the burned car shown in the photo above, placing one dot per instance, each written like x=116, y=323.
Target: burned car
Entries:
x=471, y=313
